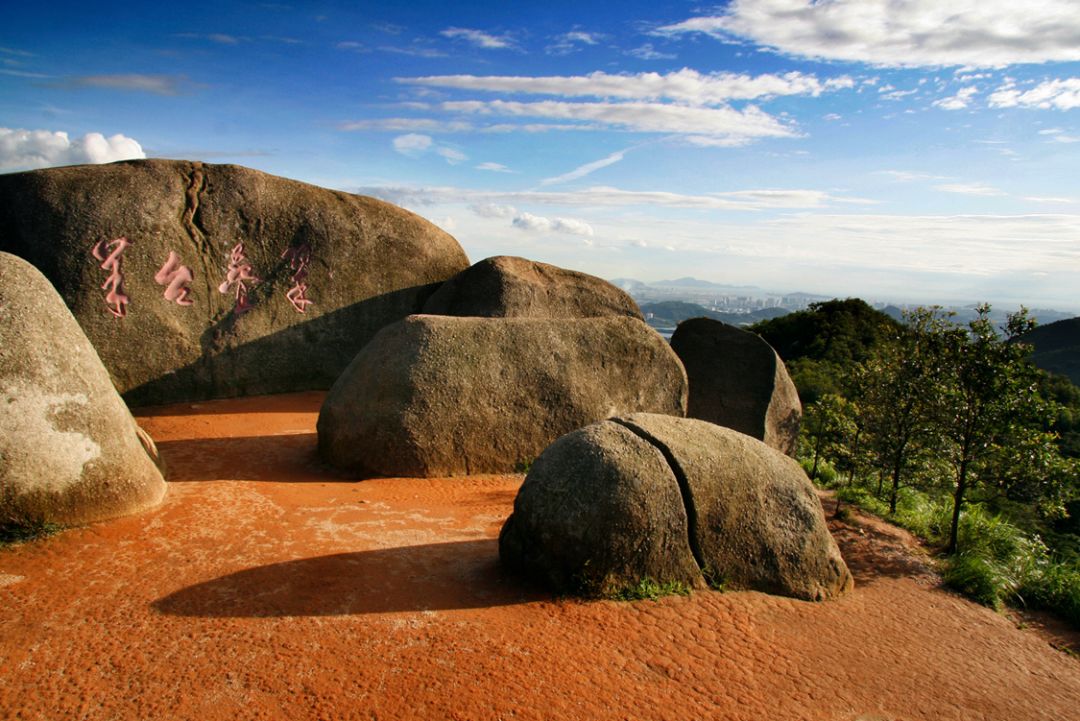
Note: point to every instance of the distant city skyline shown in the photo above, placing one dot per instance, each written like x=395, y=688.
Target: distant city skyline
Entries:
x=913, y=151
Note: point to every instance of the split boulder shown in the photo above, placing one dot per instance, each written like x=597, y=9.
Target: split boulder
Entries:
x=448, y=396
x=738, y=381
x=750, y=515
x=198, y=281
x=70, y=451
x=507, y=286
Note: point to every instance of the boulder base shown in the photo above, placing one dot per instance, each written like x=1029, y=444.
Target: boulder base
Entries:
x=447, y=396
x=70, y=452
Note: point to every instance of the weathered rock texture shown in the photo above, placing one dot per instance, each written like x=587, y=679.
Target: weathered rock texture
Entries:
x=599, y=511
x=446, y=396
x=273, y=285
x=506, y=286
x=738, y=381
x=750, y=516
x=70, y=452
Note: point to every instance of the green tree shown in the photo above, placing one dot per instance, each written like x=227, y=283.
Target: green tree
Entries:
x=991, y=401
x=828, y=426
x=898, y=390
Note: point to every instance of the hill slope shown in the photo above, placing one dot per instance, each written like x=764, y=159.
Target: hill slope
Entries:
x=1057, y=347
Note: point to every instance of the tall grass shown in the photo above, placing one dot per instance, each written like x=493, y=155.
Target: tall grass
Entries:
x=997, y=563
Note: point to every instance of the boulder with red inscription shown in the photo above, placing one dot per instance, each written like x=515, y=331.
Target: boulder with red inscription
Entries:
x=196, y=281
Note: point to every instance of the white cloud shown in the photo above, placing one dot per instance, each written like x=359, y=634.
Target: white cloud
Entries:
x=727, y=123
x=493, y=210
x=911, y=33
x=583, y=170
x=413, y=145
x=958, y=101
x=603, y=196
x=539, y=224
x=980, y=189
x=30, y=149
x=451, y=155
x=648, y=52
x=571, y=42
x=1052, y=200
x=479, y=38
x=905, y=176
x=684, y=86
x=408, y=124
x=494, y=167
x=1061, y=94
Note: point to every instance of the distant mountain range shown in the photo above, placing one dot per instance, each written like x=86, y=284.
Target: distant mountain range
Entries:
x=669, y=313
x=1057, y=347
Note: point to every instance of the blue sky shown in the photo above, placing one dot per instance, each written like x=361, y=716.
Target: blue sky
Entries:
x=913, y=150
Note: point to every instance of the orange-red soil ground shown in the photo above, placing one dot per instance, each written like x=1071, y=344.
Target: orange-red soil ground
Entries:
x=267, y=587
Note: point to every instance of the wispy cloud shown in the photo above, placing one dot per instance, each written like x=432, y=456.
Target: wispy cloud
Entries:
x=219, y=38
x=979, y=189
x=412, y=145
x=131, y=82
x=29, y=149
x=494, y=167
x=451, y=155
x=646, y=51
x=479, y=38
x=986, y=33
x=609, y=197
x=586, y=169
x=906, y=176
x=572, y=42
x=684, y=86
x=723, y=123
x=1058, y=135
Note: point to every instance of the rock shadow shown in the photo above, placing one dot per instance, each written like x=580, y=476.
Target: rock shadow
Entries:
x=281, y=458
x=297, y=402
x=308, y=355
x=434, y=577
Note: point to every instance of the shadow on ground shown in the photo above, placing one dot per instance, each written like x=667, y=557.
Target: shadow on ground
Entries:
x=282, y=458
x=435, y=577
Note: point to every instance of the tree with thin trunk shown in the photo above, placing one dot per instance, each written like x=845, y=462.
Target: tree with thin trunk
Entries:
x=898, y=389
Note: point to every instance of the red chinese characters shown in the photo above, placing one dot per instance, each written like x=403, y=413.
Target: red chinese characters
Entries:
x=109, y=254
x=299, y=258
x=175, y=277
x=238, y=277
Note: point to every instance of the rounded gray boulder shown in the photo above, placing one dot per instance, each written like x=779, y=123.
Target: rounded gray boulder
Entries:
x=70, y=452
x=738, y=381
x=599, y=511
x=507, y=286
x=195, y=280
x=448, y=396
x=747, y=514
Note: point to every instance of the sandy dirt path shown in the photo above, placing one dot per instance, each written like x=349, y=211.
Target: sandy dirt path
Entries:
x=266, y=587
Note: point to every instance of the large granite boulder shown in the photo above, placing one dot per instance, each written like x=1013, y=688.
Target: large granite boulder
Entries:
x=446, y=396
x=600, y=511
x=738, y=381
x=750, y=515
x=507, y=286
x=70, y=452
x=195, y=280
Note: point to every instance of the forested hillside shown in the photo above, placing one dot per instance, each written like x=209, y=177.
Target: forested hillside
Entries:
x=951, y=430
x=1056, y=347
